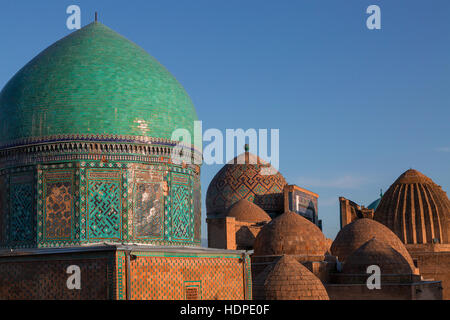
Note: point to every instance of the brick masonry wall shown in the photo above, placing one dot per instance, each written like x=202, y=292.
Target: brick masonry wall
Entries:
x=435, y=265
x=172, y=277
x=105, y=275
x=428, y=291
x=44, y=276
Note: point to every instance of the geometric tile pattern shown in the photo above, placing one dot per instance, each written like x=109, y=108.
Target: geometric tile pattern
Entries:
x=168, y=276
x=104, y=203
x=104, y=275
x=21, y=215
x=79, y=202
x=58, y=206
x=181, y=207
x=3, y=210
x=197, y=210
x=245, y=181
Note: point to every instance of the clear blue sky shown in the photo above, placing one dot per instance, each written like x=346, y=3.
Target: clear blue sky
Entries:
x=355, y=107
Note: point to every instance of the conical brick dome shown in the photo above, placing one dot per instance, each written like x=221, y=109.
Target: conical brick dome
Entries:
x=416, y=209
x=355, y=234
x=288, y=280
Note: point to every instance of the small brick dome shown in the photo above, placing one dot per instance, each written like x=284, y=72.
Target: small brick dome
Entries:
x=355, y=234
x=290, y=233
x=416, y=209
x=375, y=252
x=288, y=279
x=247, y=211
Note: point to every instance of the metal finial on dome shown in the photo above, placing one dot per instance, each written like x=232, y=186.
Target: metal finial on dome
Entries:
x=246, y=147
x=96, y=16
x=381, y=193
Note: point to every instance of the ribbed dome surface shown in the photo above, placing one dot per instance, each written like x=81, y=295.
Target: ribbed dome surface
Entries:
x=292, y=234
x=247, y=211
x=288, y=280
x=416, y=209
x=245, y=177
x=93, y=82
x=355, y=234
x=375, y=252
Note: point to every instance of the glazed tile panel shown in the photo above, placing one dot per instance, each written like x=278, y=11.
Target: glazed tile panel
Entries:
x=104, y=275
x=21, y=217
x=104, y=205
x=181, y=214
x=58, y=197
x=86, y=202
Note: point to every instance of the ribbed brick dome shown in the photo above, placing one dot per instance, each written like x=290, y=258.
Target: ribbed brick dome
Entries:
x=247, y=211
x=375, y=252
x=355, y=234
x=416, y=209
x=245, y=177
x=288, y=280
x=290, y=233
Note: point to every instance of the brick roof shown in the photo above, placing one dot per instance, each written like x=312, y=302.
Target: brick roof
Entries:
x=290, y=233
x=375, y=252
x=355, y=234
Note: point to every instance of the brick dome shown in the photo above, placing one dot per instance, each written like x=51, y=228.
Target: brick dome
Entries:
x=290, y=233
x=355, y=234
x=288, y=279
x=247, y=211
x=375, y=252
x=245, y=177
x=416, y=209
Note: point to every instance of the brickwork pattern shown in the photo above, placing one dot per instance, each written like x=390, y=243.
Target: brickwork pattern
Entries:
x=355, y=234
x=288, y=280
x=237, y=181
x=290, y=234
x=375, y=252
x=166, y=276
x=46, y=278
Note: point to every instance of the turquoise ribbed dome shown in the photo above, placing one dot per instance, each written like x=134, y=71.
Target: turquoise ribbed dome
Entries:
x=374, y=204
x=93, y=82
